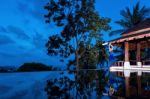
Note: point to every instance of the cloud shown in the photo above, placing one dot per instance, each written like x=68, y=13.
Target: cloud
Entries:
x=22, y=7
x=2, y=29
x=39, y=40
x=38, y=8
x=31, y=10
x=34, y=9
x=5, y=40
x=18, y=32
x=8, y=55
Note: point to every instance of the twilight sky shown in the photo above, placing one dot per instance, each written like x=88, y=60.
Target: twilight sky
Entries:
x=23, y=32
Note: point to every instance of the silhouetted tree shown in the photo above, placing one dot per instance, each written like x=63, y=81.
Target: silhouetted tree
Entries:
x=102, y=56
x=80, y=22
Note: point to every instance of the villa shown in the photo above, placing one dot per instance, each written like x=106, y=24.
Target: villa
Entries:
x=136, y=38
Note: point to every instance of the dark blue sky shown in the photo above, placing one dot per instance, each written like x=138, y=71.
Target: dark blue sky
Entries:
x=23, y=32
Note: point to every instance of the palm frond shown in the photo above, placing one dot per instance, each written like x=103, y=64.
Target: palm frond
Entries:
x=132, y=18
x=126, y=13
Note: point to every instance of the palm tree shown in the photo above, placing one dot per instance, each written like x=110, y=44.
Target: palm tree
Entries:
x=131, y=18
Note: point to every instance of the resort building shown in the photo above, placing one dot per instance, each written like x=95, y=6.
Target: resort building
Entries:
x=134, y=39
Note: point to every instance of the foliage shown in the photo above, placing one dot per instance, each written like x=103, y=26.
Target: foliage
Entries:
x=85, y=84
x=102, y=55
x=80, y=22
x=131, y=18
x=93, y=56
x=33, y=67
x=89, y=59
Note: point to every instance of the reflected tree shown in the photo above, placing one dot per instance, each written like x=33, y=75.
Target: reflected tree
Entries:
x=84, y=86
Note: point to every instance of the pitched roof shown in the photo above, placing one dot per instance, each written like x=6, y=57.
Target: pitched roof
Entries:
x=141, y=26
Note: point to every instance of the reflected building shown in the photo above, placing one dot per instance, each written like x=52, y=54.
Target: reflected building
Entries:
x=136, y=84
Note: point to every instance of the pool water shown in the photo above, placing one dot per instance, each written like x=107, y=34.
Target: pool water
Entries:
x=84, y=84
x=134, y=84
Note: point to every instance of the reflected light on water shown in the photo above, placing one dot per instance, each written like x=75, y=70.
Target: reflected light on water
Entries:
x=136, y=83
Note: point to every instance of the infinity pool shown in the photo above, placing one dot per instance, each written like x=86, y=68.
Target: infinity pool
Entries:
x=84, y=84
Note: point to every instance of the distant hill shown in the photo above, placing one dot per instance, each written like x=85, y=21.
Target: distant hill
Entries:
x=34, y=67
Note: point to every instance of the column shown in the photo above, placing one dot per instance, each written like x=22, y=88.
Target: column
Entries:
x=127, y=86
x=126, y=54
x=127, y=82
x=139, y=85
x=138, y=56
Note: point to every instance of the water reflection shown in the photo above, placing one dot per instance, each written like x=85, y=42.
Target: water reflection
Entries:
x=86, y=84
x=136, y=84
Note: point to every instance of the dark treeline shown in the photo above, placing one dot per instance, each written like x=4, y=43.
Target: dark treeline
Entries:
x=29, y=67
x=34, y=67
